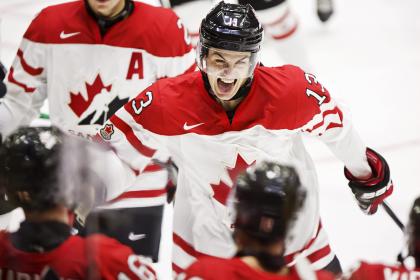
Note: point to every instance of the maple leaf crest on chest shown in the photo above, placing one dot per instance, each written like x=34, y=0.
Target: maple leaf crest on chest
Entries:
x=79, y=104
x=222, y=190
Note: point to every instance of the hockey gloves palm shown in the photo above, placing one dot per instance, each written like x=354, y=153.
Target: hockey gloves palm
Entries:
x=372, y=191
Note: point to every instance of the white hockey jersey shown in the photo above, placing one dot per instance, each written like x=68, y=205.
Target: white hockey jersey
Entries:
x=87, y=77
x=179, y=118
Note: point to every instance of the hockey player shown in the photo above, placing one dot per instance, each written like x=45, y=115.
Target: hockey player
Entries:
x=88, y=58
x=266, y=200
x=39, y=175
x=384, y=272
x=230, y=115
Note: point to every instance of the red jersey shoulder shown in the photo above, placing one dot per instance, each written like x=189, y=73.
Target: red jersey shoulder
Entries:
x=381, y=271
x=157, y=30
x=164, y=107
x=56, y=23
x=297, y=95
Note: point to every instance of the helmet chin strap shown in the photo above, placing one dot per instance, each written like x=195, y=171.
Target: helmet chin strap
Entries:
x=242, y=91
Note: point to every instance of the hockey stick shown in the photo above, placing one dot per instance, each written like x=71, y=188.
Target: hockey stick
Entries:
x=391, y=213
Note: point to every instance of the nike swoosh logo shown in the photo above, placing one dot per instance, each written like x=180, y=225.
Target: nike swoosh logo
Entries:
x=67, y=35
x=188, y=127
x=135, y=237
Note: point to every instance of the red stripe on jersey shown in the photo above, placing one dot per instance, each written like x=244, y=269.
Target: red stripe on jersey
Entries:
x=176, y=268
x=186, y=247
x=285, y=35
x=336, y=110
x=131, y=137
x=140, y=194
x=12, y=80
x=153, y=168
x=279, y=20
x=289, y=258
x=190, y=69
x=319, y=254
x=28, y=69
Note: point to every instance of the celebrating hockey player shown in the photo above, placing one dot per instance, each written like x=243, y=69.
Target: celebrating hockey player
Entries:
x=265, y=203
x=40, y=175
x=88, y=58
x=230, y=115
x=384, y=272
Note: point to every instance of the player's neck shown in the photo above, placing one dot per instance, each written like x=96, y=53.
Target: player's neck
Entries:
x=59, y=214
x=230, y=105
x=253, y=262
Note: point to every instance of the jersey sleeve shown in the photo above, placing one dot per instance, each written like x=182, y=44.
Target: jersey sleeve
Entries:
x=320, y=116
x=114, y=260
x=181, y=55
x=194, y=272
x=26, y=81
x=131, y=131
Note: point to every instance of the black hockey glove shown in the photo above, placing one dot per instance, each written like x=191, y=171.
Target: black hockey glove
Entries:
x=372, y=191
x=2, y=76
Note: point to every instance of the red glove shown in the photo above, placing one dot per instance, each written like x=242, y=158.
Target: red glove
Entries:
x=372, y=191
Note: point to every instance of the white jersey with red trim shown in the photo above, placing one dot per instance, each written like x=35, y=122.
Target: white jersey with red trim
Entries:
x=177, y=117
x=87, y=77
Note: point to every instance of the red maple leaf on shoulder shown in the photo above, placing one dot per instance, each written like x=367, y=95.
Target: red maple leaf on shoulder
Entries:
x=77, y=102
x=221, y=191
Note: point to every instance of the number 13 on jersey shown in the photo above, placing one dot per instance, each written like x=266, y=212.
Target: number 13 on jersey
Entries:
x=311, y=79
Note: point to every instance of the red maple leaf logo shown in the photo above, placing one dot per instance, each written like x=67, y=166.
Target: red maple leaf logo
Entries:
x=78, y=104
x=221, y=191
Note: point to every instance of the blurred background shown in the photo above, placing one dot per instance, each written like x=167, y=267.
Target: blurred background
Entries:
x=368, y=56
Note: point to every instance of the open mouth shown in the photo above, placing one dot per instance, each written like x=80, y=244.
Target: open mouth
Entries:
x=226, y=85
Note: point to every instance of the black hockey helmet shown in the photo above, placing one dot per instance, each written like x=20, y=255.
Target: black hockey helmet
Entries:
x=266, y=200
x=230, y=27
x=41, y=168
x=29, y=160
x=413, y=230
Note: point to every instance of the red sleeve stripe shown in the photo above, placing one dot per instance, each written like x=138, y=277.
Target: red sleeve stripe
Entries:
x=176, y=268
x=29, y=69
x=186, y=247
x=290, y=257
x=153, y=168
x=190, y=69
x=98, y=139
x=140, y=194
x=336, y=110
x=319, y=254
x=12, y=80
x=131, y=137
x=285, y=35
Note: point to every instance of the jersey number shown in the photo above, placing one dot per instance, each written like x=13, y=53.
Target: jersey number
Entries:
x=311, y=78
x=143, y=104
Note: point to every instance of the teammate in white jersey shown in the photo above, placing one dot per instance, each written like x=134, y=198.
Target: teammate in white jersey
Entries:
x=232, y=114
x=88, y=58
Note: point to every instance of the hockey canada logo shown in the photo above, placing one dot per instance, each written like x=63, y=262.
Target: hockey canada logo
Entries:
x=222, y=190
x=97, y=105
x=107, y=131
